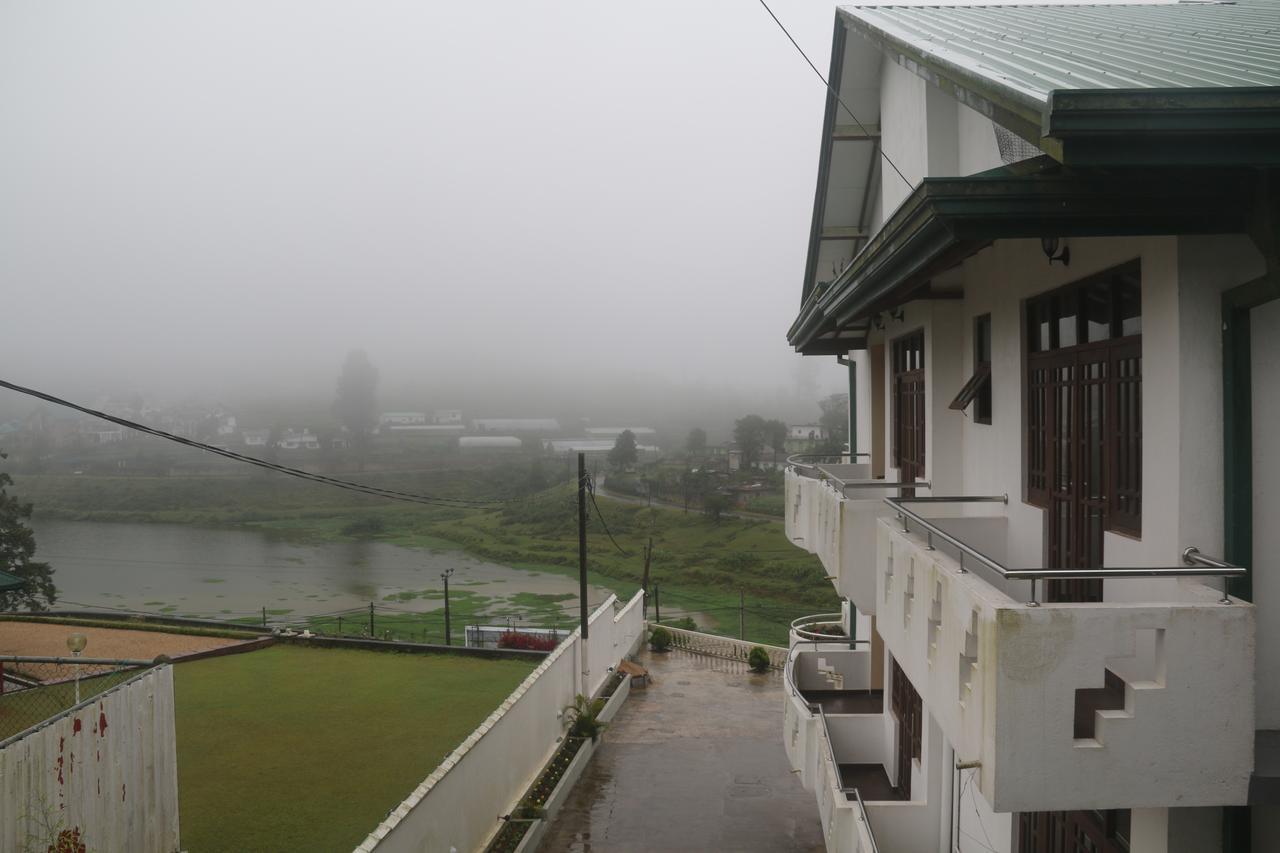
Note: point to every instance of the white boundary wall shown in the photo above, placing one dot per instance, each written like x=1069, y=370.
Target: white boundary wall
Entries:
x=117, y=783
x=457, y=806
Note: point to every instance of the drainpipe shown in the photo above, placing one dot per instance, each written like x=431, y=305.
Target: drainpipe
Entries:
x=853, y=404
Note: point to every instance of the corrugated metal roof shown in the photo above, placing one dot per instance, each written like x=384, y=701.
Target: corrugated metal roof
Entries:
x=1034, y=49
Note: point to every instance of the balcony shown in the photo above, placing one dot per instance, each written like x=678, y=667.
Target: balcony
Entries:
x=831, y=511
x=1126, y=703
x=840, y=742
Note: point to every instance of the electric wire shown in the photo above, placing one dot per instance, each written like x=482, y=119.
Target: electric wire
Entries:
x=833, y=92
x=375, y=491
x=591, y=491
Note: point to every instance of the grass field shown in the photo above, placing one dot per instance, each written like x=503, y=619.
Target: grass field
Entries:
x=293, y=748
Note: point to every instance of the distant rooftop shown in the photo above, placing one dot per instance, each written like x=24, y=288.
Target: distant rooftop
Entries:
x=517, y=424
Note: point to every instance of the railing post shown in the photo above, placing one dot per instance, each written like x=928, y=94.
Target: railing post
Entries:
x=929, y=541
x=1033, y=602
x=963, y=570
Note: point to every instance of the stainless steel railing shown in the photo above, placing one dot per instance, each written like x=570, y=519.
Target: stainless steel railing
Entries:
x=1196, y=564
x=820, y=619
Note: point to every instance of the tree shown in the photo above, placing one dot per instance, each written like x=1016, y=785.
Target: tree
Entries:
x=17, y=547
x=835, y=418
x=624, y=451
x=696, y=443
x=356, y=405
x=777, y=431
x=750, y=434
x=714, y=507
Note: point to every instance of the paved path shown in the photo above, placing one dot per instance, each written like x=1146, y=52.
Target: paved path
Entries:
x=694, y=762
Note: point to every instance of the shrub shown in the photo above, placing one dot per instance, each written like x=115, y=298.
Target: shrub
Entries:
x=685, y=622
x=584, y=716
x=530, y=642
x=365, y=527
x=659, y=639
x=758, y=659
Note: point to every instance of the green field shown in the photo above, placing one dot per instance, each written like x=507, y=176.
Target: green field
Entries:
x=292, y=748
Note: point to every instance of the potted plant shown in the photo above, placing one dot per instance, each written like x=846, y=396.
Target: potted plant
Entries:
x=758, y=659
x=659, y=639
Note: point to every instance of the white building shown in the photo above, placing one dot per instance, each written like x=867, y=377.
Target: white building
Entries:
x=388, y=419
x=490, y=442
x=614, y=432
x=1074, y=355
x=807, y=432
x=256, y=437
x=537, y=425
x=299, y=440
x=447, y=417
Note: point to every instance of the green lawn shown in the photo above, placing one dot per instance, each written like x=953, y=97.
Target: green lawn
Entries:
x=292, y=748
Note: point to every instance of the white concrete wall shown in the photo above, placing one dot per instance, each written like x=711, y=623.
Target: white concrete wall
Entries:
x=117, y=783
x=458, y=804
x=999, y=677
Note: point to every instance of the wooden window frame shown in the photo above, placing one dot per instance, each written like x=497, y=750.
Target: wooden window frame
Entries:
x=977, y=390
x=1123, y=442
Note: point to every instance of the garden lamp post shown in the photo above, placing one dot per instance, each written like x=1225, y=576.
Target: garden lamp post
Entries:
x=75, y=644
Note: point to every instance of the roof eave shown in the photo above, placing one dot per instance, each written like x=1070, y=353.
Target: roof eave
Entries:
x=948, y=219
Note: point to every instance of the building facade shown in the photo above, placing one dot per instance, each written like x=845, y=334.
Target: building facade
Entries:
x=1046, y=238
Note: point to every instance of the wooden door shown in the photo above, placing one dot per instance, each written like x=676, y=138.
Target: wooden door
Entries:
x=908, y=709
x=909, y=407
x=1074, y=832
x=1075, y=397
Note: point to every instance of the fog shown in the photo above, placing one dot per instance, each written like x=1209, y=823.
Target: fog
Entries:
x=508, y=205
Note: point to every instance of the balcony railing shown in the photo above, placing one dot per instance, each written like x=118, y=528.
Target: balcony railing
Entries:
x=1064, y=706
x=1195, y=564
x=835, y=520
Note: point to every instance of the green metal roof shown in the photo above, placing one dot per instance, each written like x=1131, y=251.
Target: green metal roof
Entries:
x=8, y=581
x=1030, y=50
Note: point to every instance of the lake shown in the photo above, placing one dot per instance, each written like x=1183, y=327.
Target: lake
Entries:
x=233, y=574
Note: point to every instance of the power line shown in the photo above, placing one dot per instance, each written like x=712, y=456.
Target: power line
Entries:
x=833, y=92
x=375, y=491
x=592, y=493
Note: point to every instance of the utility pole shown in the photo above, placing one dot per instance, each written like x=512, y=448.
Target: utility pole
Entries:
x=339, y=626
x=448, y=640
x=371, y=637
x=657, y=605
x=264, y=617
x=582, y=542
x=742, y=616
x=644, y=580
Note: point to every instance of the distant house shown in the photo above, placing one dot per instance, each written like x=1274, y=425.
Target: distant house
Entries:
x=104, y=436
x=515, y=425
x=390, y=419
x=256, y=437
x=299, y=440
x=225, y=424
x=447, y=417
x=424, y=430
x=591, y=446
x=808, y=432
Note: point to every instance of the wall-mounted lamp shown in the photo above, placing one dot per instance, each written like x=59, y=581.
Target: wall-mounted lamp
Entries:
x=878, y=321
x=898, y=314
x=1049, y=245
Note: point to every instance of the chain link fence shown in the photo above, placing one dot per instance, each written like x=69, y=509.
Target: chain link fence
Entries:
x=35, y=689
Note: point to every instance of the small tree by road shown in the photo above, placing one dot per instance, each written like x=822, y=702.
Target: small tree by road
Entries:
x=696, y=443
x=624, y=453
x=750, y=433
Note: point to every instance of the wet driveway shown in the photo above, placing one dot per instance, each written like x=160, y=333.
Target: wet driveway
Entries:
x=694, y=762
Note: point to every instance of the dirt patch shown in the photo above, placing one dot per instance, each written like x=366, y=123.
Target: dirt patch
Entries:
x=50, y=640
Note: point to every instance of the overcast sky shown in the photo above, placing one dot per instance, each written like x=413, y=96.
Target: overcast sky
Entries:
x=233, y=194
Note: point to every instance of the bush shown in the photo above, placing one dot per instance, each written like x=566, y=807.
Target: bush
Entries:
x=758, y=659
x=685, y=622
x=365, y=527
x=659, y=639
x=530, y=642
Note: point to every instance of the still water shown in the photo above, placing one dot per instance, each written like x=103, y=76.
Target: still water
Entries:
x=228, y=574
